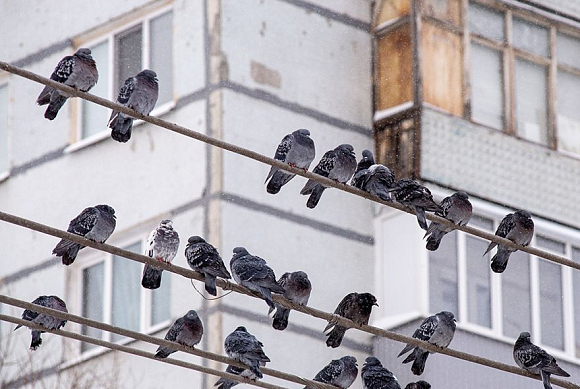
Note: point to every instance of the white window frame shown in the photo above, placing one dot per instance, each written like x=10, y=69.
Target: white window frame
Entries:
x=6, y=173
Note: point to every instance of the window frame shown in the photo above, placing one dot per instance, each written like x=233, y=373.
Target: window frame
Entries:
x=5, y=174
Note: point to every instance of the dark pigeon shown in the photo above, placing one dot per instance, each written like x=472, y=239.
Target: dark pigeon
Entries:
x=536, y=360
x=204, y=258
x=298, y=288
x=438, y=330
x=245, y=348
x=140, y=94
x=456, y=208
x=338, y=164
x=354, y=306
x=78, y=71
x=297, y=150
x=162, y=246
x=517, y=227
x=373, y=178
x=94, y=223
x=362, y=168
x=46, y=321
x=417, y=197
x=186, y=330
x=418, y=385
x=225, y=383
x=340, y=372
x=375, y=376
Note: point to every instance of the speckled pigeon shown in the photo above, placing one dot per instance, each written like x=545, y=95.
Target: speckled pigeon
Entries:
x=162, y=246
x=140, y=94
x=436, y=329
x=536, y=360
x=456, y=208
x=252, y=272
x=375, y=376
x=46, y=321
x=354, y=306
x=297, y=150
x=339, y=372
x=338, y=164
x=78, y=71
x=94, y=223
x=517, y=227
x=204, y=258
x=417, y=197
x=418, y=385
x=225, y=383
x=373, y=178
x=245, y=348
x=298, y=288
x=186, y=330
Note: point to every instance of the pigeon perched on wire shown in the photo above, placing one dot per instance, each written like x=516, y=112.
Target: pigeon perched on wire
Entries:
x=138, y=93
x=456, y=208
x=245, y=348
x=225, y=383
x=162, y=246
x=252, y=272
x=418, y=385
x=375, y=376
x=436, y=329
x=94, y=223
x=297, y=288
x=517, y=227
x=78, y=71
x=339, y=372
x=417, y=197
x=373, y=178
x=46, y=321
x=186, y=330
x=354, y=306
x=297, y=150
x=362, y=168
x=338, y=164
x=204, y=258
x=536, y=360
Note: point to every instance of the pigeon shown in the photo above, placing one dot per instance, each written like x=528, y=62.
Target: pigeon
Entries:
x=338, y=164
x=46, y=321
x=298, y=288
x=375, y=376
x=354, y=306
x=245, y=348
x=409, y=193
x=536, y=360
x=456, y=208
x=436, y=329
x=140, y=94
x=225, y=383
x=339, y=372
x=297, y=150
x=362, y=168
x=94, y=223
x=253, y=273
x=373, y=178
x=78, y=71
x=517, y=227
x=162, y=245
x=204, y=258
x=418, y=385
x=186, y=330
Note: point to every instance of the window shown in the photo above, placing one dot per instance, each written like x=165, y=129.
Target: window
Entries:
x=4, y=157
x=568, y=98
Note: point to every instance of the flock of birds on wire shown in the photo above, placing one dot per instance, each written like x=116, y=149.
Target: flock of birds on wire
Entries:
x=296, y=149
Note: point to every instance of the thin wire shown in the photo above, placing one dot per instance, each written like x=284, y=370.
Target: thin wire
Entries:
x=278, y=164
x=207, y=298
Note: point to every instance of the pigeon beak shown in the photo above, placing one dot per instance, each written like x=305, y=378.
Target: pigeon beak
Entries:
x=376, y=304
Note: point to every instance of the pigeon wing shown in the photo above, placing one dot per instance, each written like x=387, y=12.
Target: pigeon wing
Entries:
x=426, y=329
x=149, y=251
x=326, y=164
x=506, y=225
x=175, y=330
x=284, y=147
x=85, y=222
x=330, y=372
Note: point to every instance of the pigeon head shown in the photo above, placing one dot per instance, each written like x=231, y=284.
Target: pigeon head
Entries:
x=423, y=384
x=149, y=74
x=523, y=213
x=349, y=360
x=372, y=361
x=240, y=251
x=106, y=209
x=299, y=275
x=346, y=148
x=303, y=132
x=58, y=300
x=83, y=53
x=166, y=224
x=191, y=315
x=367, y=300
x=447, y=315
x=241, y=328
x=462, y=195
x=524, y=336
x=368, y=155
x=195, y=239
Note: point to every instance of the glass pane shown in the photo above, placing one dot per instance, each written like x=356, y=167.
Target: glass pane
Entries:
x=530, y=37
x=478, y=282
x=126, y=292
x=93, y=296
x=481, y=222
x=568, y=50
x=128, y=56
x=4, y=128
x=486, y=86
x=568, y=107
x=161, y=302
x=161, y=55
x=531, y=101
x=443, y=276
x=516, y=297
x=551, y=314
x=486, y=22
x=576, y=275
x=551, y=244
x=95, y=117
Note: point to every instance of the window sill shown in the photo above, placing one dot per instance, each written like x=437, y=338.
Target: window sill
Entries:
x=91, y=140
x=158, y=112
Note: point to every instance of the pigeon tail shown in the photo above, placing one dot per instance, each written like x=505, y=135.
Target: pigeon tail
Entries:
x=434, y=239
x=281, y=319
x=556, y=370
x=18, y=326
x=151, y=277
x=407, y=348
x=419, y=364
x=36, y=340
x=224, y=383
x=163, y=352
x=420, y=212
x=335, y=336
x=44, y=96
x=546, y=379
x=500, y=260
x=265, y=292
x=254, y=366
x=210, y=281
x=54, y=106
x=279, y=179
x=67, y=250
x=315, y=196
x=121, y=128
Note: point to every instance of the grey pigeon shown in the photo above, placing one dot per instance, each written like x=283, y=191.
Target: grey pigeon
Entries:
x=245, y=348
x=375, y=376
x=517, y=227
x=204, y=258
x=362, y=168
x=438, y=330
x=354, y=306
x=78, y=71
x=417, y=197
x=456, y=208
x=225, y=383
x=418, y=385
x=140, y=94
x=297, y=288
x=162, y=246
x=339, y=372
x=374, y=178
x=297, y=150
x=253, y=273
x=338, y=164
x=536, y=360
x=94, y=223
x=46, y=321
x=186, y=330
